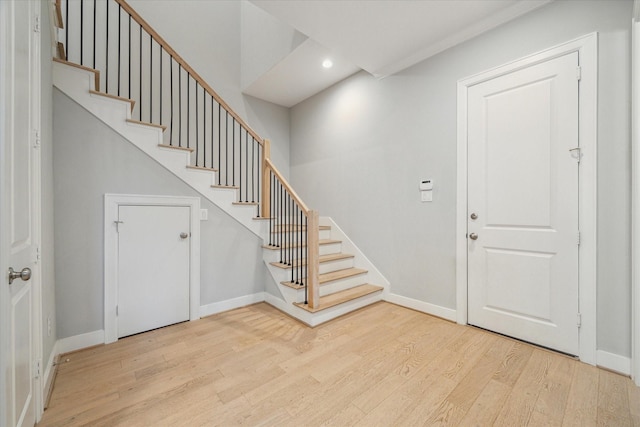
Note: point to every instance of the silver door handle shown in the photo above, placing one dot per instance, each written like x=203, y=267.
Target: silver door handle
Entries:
x=25, y=274
x=474, y=215
x=184, y=235
x=473, y=236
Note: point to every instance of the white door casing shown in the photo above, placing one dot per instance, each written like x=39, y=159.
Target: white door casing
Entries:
x=586, y=49
x=20, y=302
x=523, y=202
x=153, y=267
x=113, y=204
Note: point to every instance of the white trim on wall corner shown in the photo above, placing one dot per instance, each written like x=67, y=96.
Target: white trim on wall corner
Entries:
x=230, y=304
x=587, y=48
x=48, y=377
x=613, y=362
x=78, y=342
x=635, y=198
x=425, y=307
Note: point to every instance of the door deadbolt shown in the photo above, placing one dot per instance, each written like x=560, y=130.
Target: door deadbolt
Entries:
x=25, y=274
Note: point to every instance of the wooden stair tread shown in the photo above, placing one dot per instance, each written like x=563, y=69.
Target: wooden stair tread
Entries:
x=226, y=187
x=173, y=147
x=202, y=168
x=321, y=242
x=163, y=127
x=339, y=274
x=341, y=297
x=116, y=97
x=289, y=227
x=323, y=258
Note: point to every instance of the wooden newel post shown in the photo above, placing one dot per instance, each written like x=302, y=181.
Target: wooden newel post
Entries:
x=313, y=263
x=266, y=180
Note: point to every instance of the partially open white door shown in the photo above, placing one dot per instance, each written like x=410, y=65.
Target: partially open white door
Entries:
x=523, y=204
x=19, y=123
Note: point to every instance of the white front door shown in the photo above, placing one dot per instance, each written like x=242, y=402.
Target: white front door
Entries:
x=153, y=267
x=20, y=121
x=523, y=204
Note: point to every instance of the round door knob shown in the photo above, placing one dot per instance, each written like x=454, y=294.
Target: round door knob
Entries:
x=24, y=274
x=184, y=235
x=474, y=216
x=473, y=236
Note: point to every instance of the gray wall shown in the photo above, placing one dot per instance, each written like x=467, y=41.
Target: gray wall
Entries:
x=46, y=153
x=213, y=48
x=89, y=160
x=359, y=149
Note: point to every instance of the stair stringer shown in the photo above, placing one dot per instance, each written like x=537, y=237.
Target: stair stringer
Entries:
x=77, y=84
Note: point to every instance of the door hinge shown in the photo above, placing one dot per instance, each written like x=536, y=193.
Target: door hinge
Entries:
x=579, y=320
x=38, y=256
x=117, y=222
x=576, y=153
x=36, y=24
x=578, y=73
x=578, y=238
x=36, y=138
x=117, y=311
x=36, y=369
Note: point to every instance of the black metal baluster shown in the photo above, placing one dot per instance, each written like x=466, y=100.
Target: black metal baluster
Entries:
x=212, y=122
x=81, y=32
x=189, y=110
x=119, y=42
x=226, y=149
x=140, y=79
x=129, y=75
x=150, y=79
x=171, y=98
x=161, y=81
x=179, y=105
x=94, y=37
x=233, y=155
x=106, y=88
x=66, y=29
x=197, y=136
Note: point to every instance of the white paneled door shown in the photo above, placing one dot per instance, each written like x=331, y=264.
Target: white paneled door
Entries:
x=20, y=110
x=153, y=267
x=523, y=204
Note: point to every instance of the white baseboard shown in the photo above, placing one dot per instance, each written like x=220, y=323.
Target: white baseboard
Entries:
x=230, y=304
x=425, y=307
x=77, y=342
x=613, y=362
x=48, y=373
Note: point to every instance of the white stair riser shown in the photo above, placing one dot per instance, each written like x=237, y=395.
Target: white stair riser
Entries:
x=339, y=310
x=203, y=177
x=331, y=248
x=341, y=264
x=286, y=237
x=342, y=284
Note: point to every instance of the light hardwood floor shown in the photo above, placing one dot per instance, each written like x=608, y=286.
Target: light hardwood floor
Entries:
x=383, y=365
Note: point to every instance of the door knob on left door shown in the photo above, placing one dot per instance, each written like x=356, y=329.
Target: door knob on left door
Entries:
x=473, y=236
x=25, y=274
x=184, y=235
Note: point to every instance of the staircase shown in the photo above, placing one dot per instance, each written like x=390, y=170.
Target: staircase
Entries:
x=320, y=274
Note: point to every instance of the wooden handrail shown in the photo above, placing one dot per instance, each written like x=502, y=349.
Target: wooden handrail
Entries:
x=162, y=42
x=287, y=187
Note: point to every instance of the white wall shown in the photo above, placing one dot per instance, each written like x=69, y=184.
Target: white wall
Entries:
x=359, y=149
x=211, y=44
x=90, y=159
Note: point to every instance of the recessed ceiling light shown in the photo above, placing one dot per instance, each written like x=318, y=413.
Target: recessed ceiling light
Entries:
x=327, y=63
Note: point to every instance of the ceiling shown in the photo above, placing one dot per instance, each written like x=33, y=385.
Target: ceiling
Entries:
x=381, y=37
